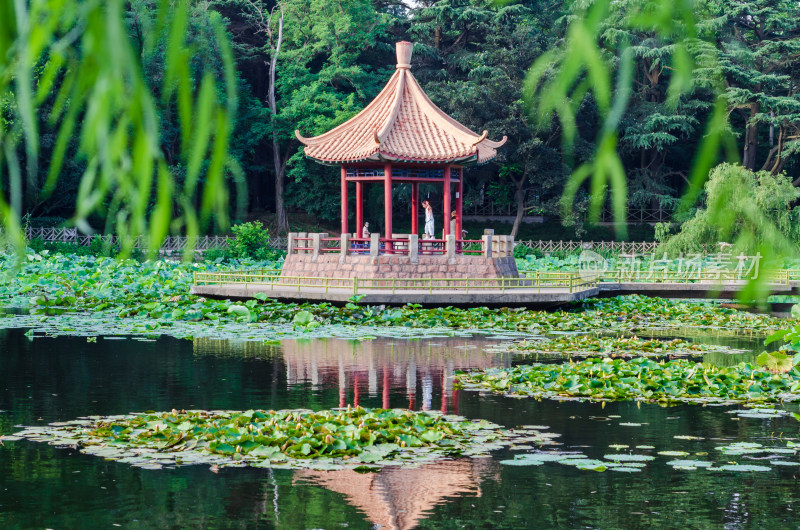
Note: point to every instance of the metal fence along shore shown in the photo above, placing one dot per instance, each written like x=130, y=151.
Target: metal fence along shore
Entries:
x=172, y=244
x=177, y=244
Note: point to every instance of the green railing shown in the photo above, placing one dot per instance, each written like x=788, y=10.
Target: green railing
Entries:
x=572, y=282
x=529, y=280
x=791, y=275
x=780, y=277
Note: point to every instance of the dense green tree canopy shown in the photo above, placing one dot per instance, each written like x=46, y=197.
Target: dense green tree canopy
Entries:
x=312, y=64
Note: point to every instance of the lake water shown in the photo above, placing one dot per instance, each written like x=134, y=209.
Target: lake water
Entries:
x=59, y=379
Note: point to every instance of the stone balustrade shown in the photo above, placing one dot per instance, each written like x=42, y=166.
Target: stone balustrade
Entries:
x=411, y=245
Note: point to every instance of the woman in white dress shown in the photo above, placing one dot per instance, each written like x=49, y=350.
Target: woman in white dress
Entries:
x=428, y=220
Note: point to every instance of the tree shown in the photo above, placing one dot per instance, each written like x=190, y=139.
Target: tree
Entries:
x=327, y=77
x=753, y=207
x=270, y=23
x=654, y=132
x=472, y=61
x=759, y=43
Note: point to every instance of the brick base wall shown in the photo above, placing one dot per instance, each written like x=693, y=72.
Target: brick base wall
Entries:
x=386, y=266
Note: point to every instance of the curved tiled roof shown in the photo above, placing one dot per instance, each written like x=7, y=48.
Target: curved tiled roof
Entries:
x=401, y=124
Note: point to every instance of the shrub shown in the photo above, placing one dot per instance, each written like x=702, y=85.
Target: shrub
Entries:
x=98, y=247
x=250, y=242
x=662, y=231
x=38, y=245
x=270, y=254
x=214, y=254
x=521, y=251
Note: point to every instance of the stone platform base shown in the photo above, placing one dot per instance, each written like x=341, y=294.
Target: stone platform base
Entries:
x=335, y=265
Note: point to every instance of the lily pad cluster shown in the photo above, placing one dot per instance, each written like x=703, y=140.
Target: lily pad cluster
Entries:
x=776, y=456
x=677, y=380
x=732, y=456
x=631, y=346
x=328, y=439
x=109, y=327
x=627, y=462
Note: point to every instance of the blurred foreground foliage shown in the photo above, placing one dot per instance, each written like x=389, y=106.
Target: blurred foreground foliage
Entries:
x=73, y=68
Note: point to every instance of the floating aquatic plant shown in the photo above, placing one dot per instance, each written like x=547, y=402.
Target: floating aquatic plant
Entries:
x=777, y=362
x=329, y=439
x=690, y=464
x=625, y=457
x=744, y=467
x=633, y=346
x=759, y=413
x=671, y=381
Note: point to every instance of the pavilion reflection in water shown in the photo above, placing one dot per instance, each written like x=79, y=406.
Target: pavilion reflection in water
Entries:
x=421, y=370
x=397, y=497
x=377, y=367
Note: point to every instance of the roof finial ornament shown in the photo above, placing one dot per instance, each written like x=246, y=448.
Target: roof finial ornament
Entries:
x=404, y=50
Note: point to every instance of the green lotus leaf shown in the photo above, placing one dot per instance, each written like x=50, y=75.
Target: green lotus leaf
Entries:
x=543, y=457
x=776, y=361
x=689, y=463
x=623, y=457
x=303, y=318
x=522, y=462
x=744, y=468
x=626, y=469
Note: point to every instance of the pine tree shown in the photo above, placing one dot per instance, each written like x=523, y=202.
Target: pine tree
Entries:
x=471, y=58
x=655, y=133
x=759, y=43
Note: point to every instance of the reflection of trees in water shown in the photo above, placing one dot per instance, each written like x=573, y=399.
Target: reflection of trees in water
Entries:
x=735, y=338
x=752, y=342
x=247, y=349
x=397, y=497
x=722, y=360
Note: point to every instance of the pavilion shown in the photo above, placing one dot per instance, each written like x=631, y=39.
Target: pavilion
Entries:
x=402, y=136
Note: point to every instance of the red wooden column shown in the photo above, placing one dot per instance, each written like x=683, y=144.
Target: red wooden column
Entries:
x=447, y=206
x=344, y=200
x=386, y=383
x=459, y=203
x=415, y=208
x=359, y=207
x=387, y=201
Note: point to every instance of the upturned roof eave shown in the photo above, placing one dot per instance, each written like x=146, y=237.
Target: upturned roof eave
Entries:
x=471, y=159
x=401, y=117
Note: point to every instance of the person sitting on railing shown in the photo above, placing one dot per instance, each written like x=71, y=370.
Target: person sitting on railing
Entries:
x=359, y=245
x=454, y=224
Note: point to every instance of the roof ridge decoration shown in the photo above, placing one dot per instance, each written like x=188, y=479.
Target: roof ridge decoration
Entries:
x=401, y=124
